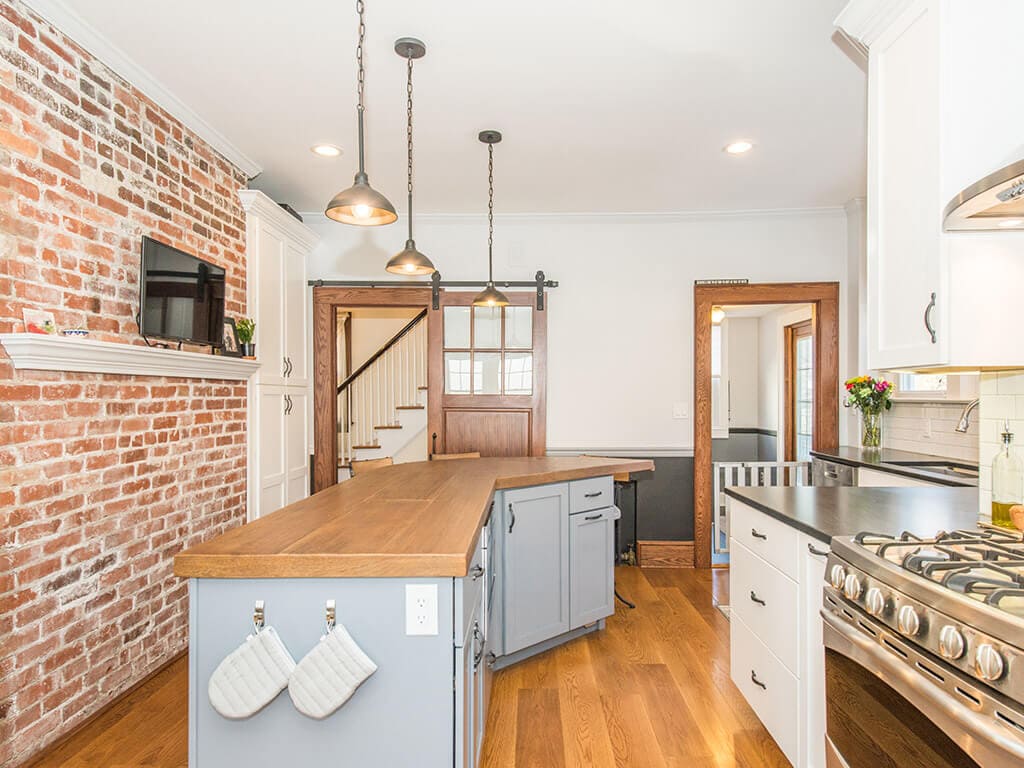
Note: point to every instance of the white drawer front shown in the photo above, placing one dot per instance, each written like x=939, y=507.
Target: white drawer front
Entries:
x=768, y=602
x=591, y=493
x=766, y=537
x=775, y=704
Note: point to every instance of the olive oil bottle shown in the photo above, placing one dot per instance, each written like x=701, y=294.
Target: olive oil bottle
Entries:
x=1007, y=480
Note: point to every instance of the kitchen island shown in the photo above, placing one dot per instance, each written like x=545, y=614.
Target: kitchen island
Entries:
x=440, y=571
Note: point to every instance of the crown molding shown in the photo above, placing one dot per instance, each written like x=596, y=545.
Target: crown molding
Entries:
x=865, y=20
x=58, y=13
x=256, y=202
x=42, y=352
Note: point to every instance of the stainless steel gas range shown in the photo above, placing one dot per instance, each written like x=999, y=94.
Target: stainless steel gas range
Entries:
x=924, y=650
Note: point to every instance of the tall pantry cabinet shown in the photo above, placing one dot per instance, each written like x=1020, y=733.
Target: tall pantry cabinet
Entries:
x=277, y=247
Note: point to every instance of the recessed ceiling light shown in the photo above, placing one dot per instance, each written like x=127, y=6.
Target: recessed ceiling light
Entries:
x=1011, y=223
x=326, y=150
x=738, y=147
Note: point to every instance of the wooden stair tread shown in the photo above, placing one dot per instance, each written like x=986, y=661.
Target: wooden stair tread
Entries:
x=388, y=426
x=422, y=389
x=365, y=447
x=409, y=407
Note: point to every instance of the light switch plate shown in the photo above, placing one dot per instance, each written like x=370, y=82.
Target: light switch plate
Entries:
x=679, y=410
x=421, y=609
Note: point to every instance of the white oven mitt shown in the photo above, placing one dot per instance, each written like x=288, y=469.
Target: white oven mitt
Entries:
x=329, y=674
x=251, y=676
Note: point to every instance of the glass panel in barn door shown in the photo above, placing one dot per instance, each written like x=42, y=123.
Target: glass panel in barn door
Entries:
x=456, y=327
x=518, y=327
x=456, y=373
x=475, y=358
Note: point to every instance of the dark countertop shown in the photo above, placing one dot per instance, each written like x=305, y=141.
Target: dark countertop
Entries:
x=827, y=512
x=883, y=460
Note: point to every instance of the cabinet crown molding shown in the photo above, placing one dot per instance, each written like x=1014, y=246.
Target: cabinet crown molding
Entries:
x=256, y=202
x=865, y=20
x=41, y=352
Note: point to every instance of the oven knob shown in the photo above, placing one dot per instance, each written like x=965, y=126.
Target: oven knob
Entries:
x=874, y=601
x=988, y=663
x=852, y=586
x=951, y=642
x=837, y=576
x=907, y=621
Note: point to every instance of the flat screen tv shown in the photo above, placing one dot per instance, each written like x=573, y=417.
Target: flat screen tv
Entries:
x=181, y=297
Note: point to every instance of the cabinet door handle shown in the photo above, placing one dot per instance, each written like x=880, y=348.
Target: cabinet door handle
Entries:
x=758, y=535
x=756, y=599
x=928, y=317
x=287, y=405
x=284, y=367
x=598, y=516
x=593, y=495
x=476, y=572
x=491, y=658
x=815, y=551
x=477, y=638
x=512, y=518
x=755, y=681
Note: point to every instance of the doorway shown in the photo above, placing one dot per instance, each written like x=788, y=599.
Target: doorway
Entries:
x=823, y=299
x=799, y=394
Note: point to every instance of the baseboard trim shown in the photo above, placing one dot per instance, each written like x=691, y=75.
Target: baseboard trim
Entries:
x=665, y=554
x=62, y=740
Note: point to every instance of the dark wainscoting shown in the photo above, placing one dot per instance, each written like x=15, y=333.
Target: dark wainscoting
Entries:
x=745, y=444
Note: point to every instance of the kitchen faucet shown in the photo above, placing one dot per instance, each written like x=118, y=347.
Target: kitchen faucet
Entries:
x=965, y=416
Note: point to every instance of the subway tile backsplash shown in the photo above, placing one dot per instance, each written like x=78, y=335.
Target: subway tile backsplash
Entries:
x=930, y=428
x=1002, y=399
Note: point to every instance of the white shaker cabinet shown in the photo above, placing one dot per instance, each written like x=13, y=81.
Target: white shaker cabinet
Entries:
x=934, y=298
x=277, y=247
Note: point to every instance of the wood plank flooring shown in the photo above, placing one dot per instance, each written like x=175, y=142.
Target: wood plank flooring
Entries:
x=651, y=691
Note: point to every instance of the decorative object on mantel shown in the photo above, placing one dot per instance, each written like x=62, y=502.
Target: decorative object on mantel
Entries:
x=41, y=352
x=409, y=261
x=75, y=332
x=229, y=344
x=38, y=321
x=490, y=296
x=246, y=328
x=871, y=397
x=361, y=204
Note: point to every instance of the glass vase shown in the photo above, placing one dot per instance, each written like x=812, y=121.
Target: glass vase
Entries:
x=871, y=430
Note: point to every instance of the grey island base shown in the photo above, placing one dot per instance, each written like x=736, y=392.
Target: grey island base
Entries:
x=521, y=567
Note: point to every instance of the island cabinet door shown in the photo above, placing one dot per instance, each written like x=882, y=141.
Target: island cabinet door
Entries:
x=466, y=690
x=536, y=573
x=591, y=578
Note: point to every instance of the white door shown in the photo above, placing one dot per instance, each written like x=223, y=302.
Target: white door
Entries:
x=271, y=449
x=269, y=310
x=296, y=426
x=295, y=315
x=905, y=264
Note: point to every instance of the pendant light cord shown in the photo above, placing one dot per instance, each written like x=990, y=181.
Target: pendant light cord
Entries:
x=408, y=112
x=490, y=213
x=361, y=81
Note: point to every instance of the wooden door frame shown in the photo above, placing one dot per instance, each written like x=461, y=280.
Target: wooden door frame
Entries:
x=435, y=370
x=326, y=300
x=824, y=301
x=789, y=412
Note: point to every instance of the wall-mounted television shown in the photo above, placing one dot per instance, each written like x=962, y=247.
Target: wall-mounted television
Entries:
x=181, y=297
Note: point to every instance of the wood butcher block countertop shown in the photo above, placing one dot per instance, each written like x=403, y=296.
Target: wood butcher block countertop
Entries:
x=419, y=519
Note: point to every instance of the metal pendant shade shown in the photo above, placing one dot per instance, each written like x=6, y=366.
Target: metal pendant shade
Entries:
x=490, y=296
x=410, y=261
x=361, y=204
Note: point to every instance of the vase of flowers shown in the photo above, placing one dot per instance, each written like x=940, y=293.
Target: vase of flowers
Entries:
x=246, y=328
x=872, y=397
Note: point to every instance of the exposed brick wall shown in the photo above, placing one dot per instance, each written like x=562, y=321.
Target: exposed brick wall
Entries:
x=102, y=478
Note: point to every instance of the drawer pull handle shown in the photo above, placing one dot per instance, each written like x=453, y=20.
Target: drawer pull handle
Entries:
x=815, y=551
x=512, y=518
x=757, y=534
x=756, y=599
x=598, y=516
x=477, y=572
x=593, y=495
x=755, y=681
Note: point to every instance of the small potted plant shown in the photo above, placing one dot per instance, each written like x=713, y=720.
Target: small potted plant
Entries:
x=246, y=327
x=871, y=397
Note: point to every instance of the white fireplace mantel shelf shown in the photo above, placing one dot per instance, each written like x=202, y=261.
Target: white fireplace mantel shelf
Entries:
x=41, y=352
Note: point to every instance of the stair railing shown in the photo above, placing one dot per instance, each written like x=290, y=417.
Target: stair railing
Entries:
x=391, y=377
x=744, y=474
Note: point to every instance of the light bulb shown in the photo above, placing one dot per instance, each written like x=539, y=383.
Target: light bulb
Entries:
x=410, y=267
x=361, y=211
x=717, y=315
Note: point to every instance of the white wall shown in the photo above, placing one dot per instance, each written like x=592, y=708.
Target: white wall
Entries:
x=773, y=368
x=743, y=371
x=620, y=325
x=372, y=327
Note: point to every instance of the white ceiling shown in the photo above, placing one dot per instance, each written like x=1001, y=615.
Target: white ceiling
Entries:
x=605, y=107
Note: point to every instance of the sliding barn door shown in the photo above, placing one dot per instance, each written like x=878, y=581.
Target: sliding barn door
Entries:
x=487, y=377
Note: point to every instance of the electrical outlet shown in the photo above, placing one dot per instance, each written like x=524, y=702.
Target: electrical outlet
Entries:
x=927, y=433
x=421, y=609
x=678, y=410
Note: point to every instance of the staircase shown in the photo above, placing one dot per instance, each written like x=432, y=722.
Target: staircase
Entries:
x=382, y=405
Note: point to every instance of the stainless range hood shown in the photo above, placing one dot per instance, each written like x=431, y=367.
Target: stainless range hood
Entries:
x=996, y=203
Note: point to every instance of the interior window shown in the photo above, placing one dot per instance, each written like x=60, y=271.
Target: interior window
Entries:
x=488, y=350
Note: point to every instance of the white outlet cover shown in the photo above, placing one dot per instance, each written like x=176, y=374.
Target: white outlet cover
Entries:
x=678, y=410
x=421, y=609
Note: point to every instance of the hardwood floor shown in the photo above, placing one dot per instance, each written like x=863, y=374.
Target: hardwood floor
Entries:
x=651, y=691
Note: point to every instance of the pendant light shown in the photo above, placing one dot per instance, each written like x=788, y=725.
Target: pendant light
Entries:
x=410, y=261
x=490, y=296
x=361, y=204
